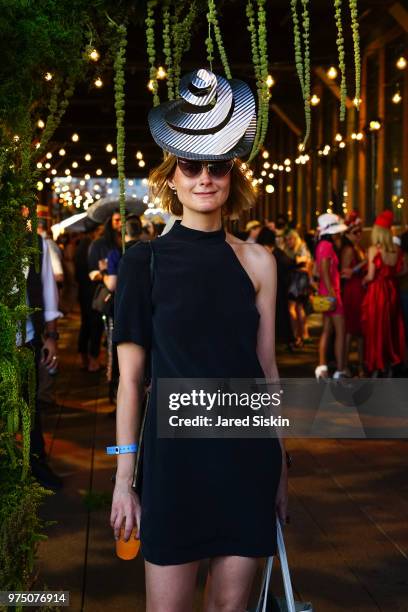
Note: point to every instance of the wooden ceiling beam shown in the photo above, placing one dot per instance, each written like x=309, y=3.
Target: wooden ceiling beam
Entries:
x=400, y=14
x=282, y=115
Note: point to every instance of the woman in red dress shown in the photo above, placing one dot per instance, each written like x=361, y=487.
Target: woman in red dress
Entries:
x=353, y=261
x=382, y=320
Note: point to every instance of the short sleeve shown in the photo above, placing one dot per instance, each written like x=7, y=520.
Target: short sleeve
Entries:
x=325, y=249
x=133, y=304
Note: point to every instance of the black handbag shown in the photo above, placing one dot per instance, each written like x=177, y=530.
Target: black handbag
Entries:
x=102, y=300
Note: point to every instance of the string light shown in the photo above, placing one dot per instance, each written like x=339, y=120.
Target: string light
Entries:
x=270, y=81
x=67, y=171
x=332, y=72
x=47, y=166
x=288, y=169
x=48, y=180
x=263, y=173
x=113, y=161
x=39, y=165
x=314, y=100
x=109, y=148
x=87, y=177
x=265, y=154
x=357, y=102
x=48, y=76
x=62, y=152
x=37, y=145
x=139, y=155
x=53, y=172
x=98, y=82
x=109, y=180
x=99, y=172
x=161, y=73
x=74, y=164
x=338, y=137
x=287, y=162
x=280, y=167
x=396, y=98
x=401, y=63
x=269, y=188
x=266, y=165
x=94, y=55
x=375, y=125
x=150, y=85
x=75, y=137
x=342, y=144
x=271, y=175
x=40, y=186
x=40, y=124
x=142, y=163
x=88, y=157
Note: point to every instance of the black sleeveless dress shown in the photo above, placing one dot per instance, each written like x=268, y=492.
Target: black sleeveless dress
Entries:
x=201, y=498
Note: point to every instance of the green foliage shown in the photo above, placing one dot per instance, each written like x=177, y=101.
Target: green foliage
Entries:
x=356, y=47
x=342, y=59
x=259, y=48
x=301, y=34
x=212, y=19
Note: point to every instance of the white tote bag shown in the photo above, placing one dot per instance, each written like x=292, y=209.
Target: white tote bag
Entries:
x=288, y=604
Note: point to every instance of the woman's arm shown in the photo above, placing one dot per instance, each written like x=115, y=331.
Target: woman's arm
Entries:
x=325, y=274
x=110, y=281
x=371, y=267
x=266, y=305
x=126, y=504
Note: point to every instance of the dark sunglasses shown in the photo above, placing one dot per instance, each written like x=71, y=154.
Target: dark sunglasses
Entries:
x=216, y=169
x=356, y=231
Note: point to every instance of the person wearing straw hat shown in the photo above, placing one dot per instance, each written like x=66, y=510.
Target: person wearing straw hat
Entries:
x=330, y=228
x=253, y=228
x=206, y=310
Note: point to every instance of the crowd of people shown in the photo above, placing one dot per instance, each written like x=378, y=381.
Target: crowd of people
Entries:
x=367, y=289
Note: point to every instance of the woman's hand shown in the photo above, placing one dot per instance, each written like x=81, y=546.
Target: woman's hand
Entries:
x=125, y=509
x=282, y=493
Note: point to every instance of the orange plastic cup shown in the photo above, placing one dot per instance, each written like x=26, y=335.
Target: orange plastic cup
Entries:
x=127, y=550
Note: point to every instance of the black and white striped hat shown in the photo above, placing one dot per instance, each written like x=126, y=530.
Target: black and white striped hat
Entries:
x=214, y=118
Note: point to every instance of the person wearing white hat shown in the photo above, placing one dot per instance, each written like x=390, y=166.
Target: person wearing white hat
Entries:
x=209, y=312
x=253, y=228
x=330, y=228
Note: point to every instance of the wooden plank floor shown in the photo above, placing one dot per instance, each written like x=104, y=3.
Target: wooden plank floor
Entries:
x=348, y=536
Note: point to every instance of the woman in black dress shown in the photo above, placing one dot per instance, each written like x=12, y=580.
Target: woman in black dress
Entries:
x=209, y=313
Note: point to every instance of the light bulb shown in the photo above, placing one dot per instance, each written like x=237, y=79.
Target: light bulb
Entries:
x=53, y=172
x=47, y=165
x=150, y=85
x=113, y=161
x=67, y=171
x=62, y=152
x=265, y=154
x=270, y=81
x=142, y=163
x=266, y=165
x=39, y=165
x=94, y=55
x=40, y=186
x=40, y=124
x=401, y=63
x=99, y=172
x=338, y=137
x=87, y=177
x=88, y=157
x=161, y=73
x=109, y=148
x=396, y=98
x=98, y=82
x=332, y=72
x=269, y=188
x=314, y=100
x=48, y=76
x=75, y=137
x=139, y=155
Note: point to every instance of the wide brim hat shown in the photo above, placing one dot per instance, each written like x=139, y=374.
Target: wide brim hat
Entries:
x=214, y=118
x=385, y=219
x=331, y=224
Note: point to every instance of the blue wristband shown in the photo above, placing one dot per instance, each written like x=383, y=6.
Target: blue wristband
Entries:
x=120, y=450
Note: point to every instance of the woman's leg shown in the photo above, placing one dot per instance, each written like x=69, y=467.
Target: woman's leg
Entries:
x=302, y=321
x=324, y=339
x=293, y=318
x=170, y=588
x=338, y=322
x=229, y=583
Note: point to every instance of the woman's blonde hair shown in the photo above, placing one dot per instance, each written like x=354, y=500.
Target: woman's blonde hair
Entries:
x=381, y=236
x=298, y=243
x=242, y=193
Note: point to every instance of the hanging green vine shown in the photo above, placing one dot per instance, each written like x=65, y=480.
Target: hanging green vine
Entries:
x=167, y=49
x=181, y=35
x=151, y=50
x=212, y=19
x=260, y=60
x=301, y=34
x=306, y=67
x=342, y=60
x=119, y=82
x=356, y=46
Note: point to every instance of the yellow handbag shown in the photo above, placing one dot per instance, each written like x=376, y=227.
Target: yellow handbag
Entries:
x=323, y=303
